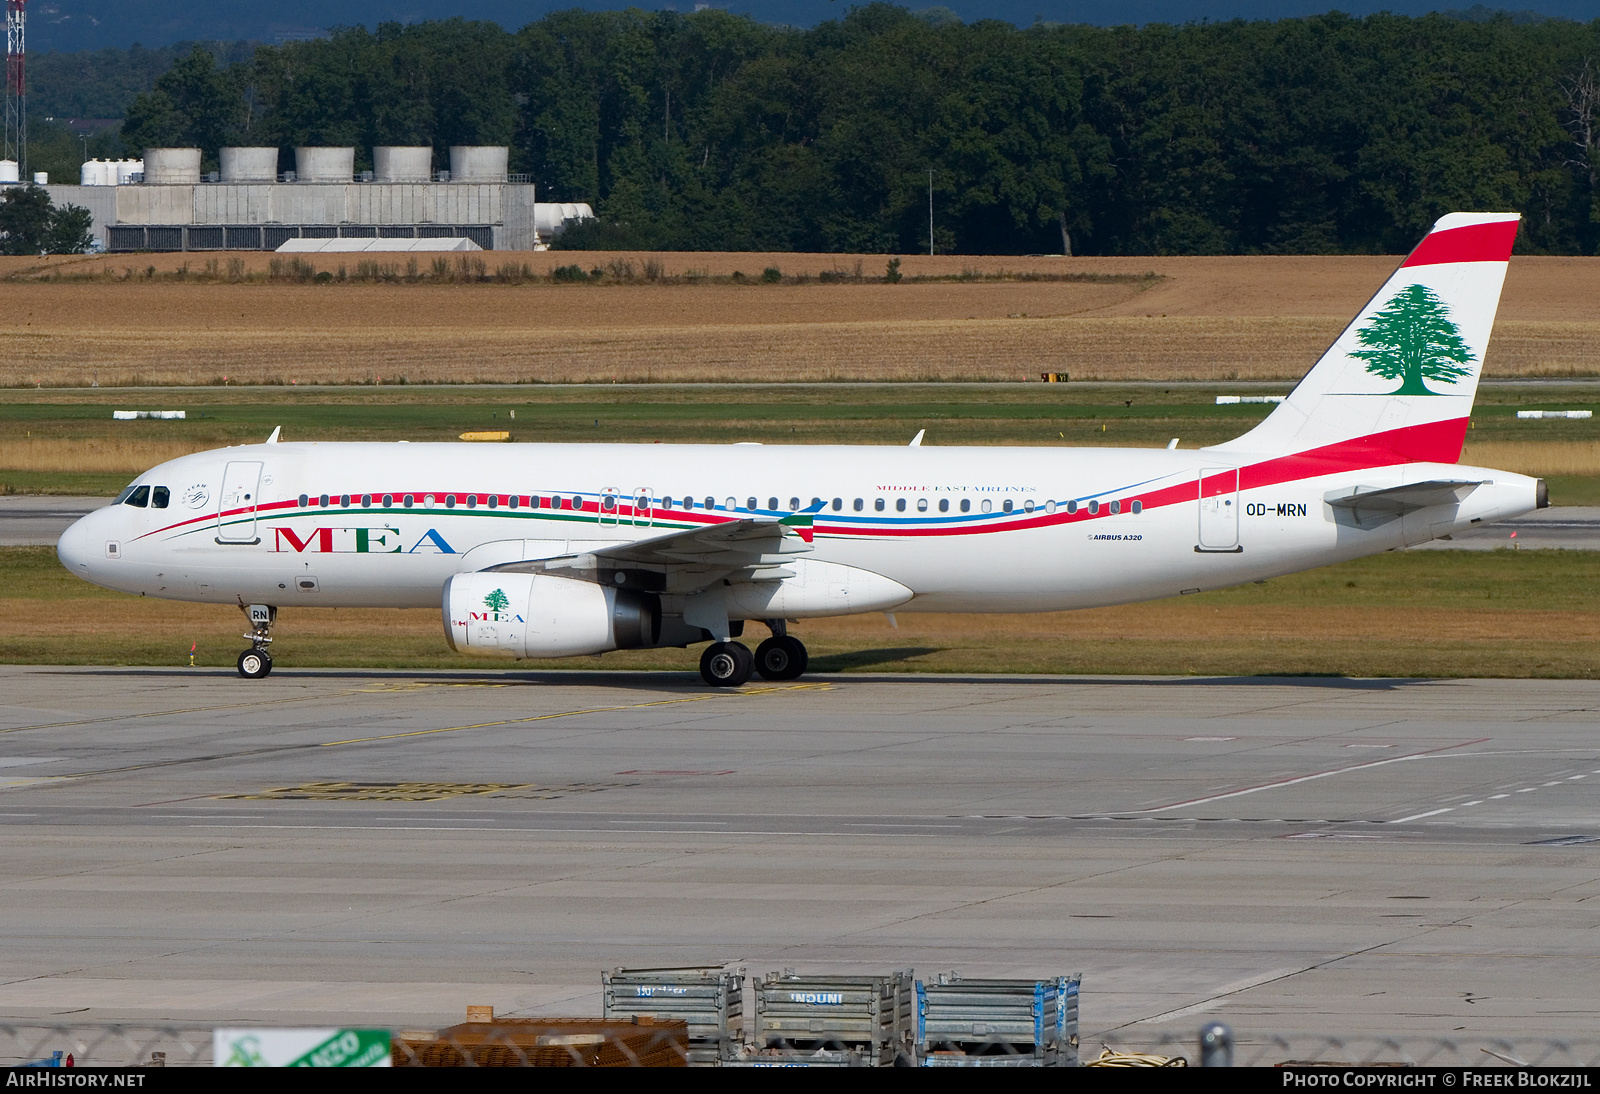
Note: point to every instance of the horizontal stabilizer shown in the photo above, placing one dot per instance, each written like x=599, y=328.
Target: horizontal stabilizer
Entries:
x=1365, y=507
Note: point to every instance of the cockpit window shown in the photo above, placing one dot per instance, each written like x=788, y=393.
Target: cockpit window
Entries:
x=126, y=490
x=140, y=497
x=159, y=496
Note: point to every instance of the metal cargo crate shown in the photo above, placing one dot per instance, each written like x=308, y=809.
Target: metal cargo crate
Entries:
x=997, y=1023
x=711, y=1001
x=869, y=1015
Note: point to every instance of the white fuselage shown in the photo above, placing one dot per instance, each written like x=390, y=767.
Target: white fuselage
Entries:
x=960, y=529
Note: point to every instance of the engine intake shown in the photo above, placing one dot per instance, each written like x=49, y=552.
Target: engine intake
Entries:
x=535, y=615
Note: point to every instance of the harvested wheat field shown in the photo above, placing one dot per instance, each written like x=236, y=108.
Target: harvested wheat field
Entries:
x=131, y=320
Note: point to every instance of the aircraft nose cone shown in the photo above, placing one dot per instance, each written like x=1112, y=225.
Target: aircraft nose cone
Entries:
x=73, y=547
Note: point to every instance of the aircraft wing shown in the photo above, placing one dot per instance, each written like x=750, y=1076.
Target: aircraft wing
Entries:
x=687, y=560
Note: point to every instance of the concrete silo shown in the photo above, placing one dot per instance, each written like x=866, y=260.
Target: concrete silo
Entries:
x=324, y=164
x=249, y=164
x=397, y=163
x=172, y=166
x=478, y=162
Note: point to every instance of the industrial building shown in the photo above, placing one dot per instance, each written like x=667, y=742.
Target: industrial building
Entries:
x=163, y=203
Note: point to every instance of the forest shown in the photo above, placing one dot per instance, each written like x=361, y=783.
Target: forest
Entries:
x=710, y=131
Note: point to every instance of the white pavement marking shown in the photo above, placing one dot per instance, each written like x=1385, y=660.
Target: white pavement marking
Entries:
x=1419, y=816
x=1292, y=782
x=1221, y=993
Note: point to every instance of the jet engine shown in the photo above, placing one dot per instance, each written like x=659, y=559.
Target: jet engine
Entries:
x=535, y=615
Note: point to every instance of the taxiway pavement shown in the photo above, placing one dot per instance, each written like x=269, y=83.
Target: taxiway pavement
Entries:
x=1348, y=856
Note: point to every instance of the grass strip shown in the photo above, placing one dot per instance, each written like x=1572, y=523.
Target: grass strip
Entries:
x=1418, y=614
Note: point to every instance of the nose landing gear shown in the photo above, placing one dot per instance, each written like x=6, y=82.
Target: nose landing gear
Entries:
x=256, y=662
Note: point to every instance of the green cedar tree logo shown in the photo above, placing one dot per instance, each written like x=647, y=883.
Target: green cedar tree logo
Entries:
x=1411, y=340
x=497, y=601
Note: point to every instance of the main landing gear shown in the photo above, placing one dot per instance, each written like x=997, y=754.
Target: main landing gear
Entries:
x=730, y=664
x=256, y=662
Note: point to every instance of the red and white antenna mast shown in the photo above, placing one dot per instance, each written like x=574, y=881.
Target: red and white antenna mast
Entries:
x=16, y=135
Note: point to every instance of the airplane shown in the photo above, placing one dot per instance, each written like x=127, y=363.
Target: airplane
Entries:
x=558, y=550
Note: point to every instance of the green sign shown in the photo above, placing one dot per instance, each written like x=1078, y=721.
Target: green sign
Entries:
x=301, y=1047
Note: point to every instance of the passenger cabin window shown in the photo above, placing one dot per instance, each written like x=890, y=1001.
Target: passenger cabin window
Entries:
x=710, y=503
x=794, y=505
x=877, y=504
x=987, y=505
x=1072, y=507
x=899, y=505
x=427, y=501
x=1116, y=507
x=1136, y=508
x=1094, y=507
x=407, y=501
x=922, y=505
x=838, y=504
x=1007, y=505
x=772, y=503
x=966, y=505
x=449, y=501
x=731, y=505
x=140, y=497
x=304, y=501
x=1049, y=507
x=944, y=505
x=323, y=501
x=577, y=503
x=159, y=496
x=1027, y=506
x=388, y=500
x=859, y=505
x=816, y=503
x=366, y=501
x=344, y=501
x=750, y=504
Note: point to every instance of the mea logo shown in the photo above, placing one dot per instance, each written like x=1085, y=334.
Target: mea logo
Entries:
x=497, y=602
x=1411, y=339
x=357, y=541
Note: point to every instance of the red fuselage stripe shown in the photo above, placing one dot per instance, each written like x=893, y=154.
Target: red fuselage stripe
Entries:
x=1435, y=442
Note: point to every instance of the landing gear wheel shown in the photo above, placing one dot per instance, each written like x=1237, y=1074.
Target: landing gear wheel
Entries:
x=254, y=664
x=726, y=664
x=781, y=658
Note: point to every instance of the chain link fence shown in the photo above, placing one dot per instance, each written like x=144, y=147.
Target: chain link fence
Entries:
x=602, y=1043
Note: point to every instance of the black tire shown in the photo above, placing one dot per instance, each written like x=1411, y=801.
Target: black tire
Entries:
x=726, y=664
x=254, y=664
x=781, y=658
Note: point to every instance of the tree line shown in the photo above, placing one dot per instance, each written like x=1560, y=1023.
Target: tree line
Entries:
x=1327, y=134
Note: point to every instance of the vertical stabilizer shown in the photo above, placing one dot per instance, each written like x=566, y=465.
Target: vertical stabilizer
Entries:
x=1401, y=378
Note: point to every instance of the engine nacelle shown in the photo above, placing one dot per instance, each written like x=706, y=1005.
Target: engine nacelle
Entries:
x=536, y=615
